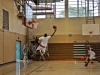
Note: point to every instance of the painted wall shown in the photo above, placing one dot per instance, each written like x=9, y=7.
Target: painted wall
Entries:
x=8, y=38
x=65, y=27
x=15, y=24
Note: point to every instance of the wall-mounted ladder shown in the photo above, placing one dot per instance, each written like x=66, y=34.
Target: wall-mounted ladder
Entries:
x=89, y=11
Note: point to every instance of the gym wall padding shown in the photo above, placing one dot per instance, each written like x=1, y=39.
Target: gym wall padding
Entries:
x=1, y=46
x=60, y=51
x=8, y=45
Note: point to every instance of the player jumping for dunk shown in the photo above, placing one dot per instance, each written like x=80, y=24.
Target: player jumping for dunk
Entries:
x=44, y=41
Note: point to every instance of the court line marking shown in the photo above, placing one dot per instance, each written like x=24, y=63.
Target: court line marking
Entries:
x=37, y=68
x=15, y=68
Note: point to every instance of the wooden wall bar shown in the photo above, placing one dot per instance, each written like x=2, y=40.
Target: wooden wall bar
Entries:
x=79, y=50
x=60, y=51
x=66, y=50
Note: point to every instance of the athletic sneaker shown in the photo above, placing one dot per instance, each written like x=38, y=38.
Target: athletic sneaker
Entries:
x=43, y=57
x=47, y=54
x=99, y=61
x=91, y=62
x=86, y=64
x=40, y=58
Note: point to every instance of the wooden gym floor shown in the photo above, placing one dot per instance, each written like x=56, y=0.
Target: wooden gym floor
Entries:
x=50, y=68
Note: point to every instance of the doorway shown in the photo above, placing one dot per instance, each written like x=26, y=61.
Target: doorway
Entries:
x=18, y=50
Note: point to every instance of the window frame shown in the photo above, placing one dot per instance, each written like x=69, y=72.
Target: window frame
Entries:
x=96, y=10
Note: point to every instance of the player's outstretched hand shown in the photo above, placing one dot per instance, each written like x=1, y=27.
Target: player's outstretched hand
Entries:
x=55, y=29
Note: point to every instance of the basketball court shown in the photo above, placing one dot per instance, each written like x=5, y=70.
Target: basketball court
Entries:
x=50, y=68
x=66, y=52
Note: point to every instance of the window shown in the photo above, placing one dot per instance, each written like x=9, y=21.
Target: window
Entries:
x=57, y=11
x=82, y=8
x=72, y=8
x=60, y=9
x=29, y=12
x=5, y=19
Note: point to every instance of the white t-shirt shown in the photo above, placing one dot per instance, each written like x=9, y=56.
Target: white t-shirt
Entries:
x=91, y=53
x=44, y=40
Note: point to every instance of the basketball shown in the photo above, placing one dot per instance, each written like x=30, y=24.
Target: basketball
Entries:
x=82, y=58
x=54, y=27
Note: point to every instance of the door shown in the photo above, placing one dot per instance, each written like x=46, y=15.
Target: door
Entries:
x=18, y=50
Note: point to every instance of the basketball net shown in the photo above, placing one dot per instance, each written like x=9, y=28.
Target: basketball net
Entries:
x=91, y=33
x=35, y=23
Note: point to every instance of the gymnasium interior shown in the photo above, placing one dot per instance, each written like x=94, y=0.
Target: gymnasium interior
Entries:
x=78, y=25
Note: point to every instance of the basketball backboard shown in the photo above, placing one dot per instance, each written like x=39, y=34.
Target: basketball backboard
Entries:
x=28, y=23
x=28, y=18
x=90, y=29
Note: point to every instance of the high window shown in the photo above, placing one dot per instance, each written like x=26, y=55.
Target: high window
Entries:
x=58, y=10
x=80, y=8
x=5, y=19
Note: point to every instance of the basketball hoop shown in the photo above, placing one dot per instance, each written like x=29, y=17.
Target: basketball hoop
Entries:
x=30, y=23
x=35, y=23
x=91, y=33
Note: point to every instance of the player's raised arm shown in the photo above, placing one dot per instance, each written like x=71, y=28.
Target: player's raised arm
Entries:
x=55, y=29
